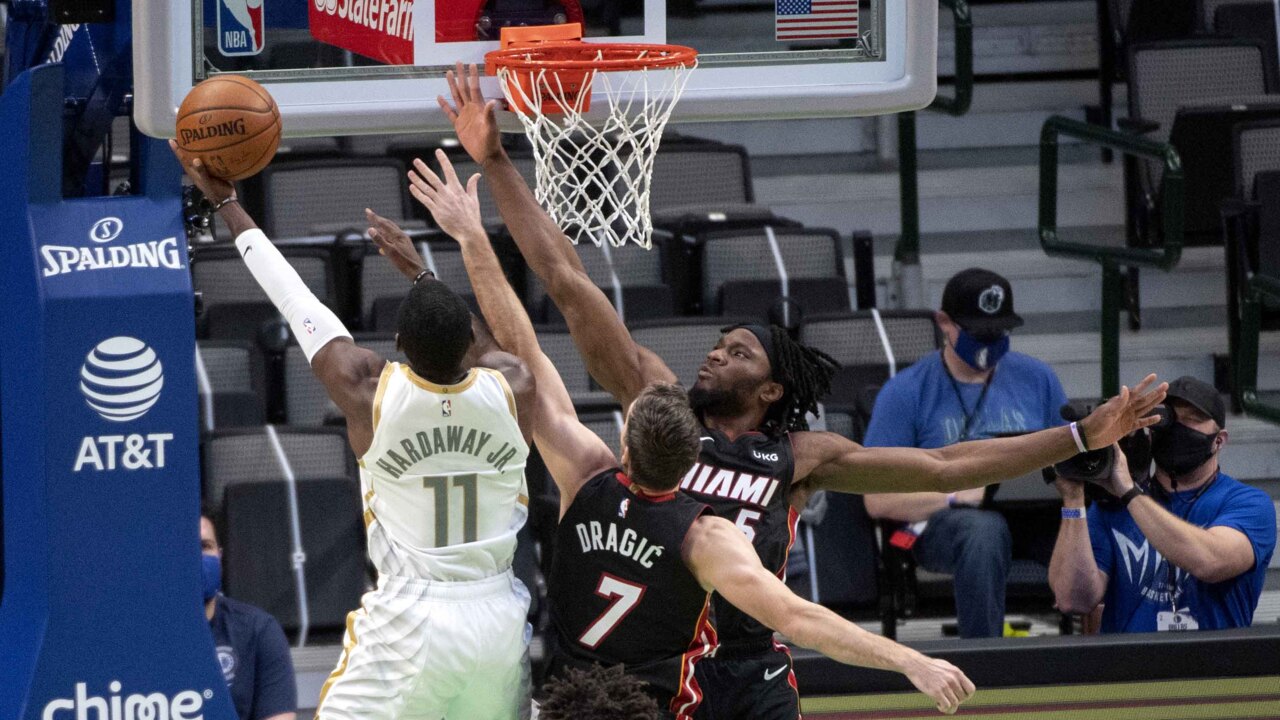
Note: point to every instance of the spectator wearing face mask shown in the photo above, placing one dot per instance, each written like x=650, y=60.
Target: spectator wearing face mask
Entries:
x=1189, y=551
x=974, y=388
x=252, y=649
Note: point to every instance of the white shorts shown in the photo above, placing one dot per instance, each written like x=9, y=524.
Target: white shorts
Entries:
x=426, y=650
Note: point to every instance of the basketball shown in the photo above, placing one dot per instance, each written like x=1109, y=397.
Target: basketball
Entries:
x=232, y=124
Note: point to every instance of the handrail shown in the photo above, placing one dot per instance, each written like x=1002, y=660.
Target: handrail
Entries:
x=959, y=104
x=907, y=250
x=1165, y=257
x=1258, y=288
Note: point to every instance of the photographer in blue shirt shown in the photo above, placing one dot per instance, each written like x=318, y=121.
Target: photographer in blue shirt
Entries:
x=1187, y=552
x=251, y=646
x=974, y=388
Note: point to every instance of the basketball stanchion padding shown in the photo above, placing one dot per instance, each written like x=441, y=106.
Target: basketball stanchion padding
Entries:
x=232, y=124
x=593, y=174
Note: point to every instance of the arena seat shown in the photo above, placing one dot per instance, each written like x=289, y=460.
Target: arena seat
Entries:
x=234, y=371
x=558, y=346
x=307, y=196
x=740, y=274
x=258, y=550
x=854, y=340
x=637, y=272
x=845, y=563
x=235, y=307
x=1164, y=77
x=1250, y=20
x=239, y=455
x=691, y=173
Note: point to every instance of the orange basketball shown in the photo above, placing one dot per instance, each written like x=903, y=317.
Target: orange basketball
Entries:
x=232, y=124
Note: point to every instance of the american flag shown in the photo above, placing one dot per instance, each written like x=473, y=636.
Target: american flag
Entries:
x=816, y=19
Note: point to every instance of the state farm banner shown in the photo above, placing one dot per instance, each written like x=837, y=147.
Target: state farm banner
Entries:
x=377, y=29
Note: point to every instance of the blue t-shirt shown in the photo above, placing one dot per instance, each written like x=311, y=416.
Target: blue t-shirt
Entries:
x=1138, y=584
x=919, y=407
x=255, y=660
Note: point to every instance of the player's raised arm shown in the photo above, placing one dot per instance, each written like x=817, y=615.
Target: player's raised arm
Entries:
x=832, y=462
x=572, y=452
x=612, y=356
x=723, y=560
x=348, y=372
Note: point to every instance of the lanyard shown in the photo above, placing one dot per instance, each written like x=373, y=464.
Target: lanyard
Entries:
x=1170, y=575
x=977, y=407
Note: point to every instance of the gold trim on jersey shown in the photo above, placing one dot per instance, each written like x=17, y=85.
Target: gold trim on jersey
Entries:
x=429, y=386
x=523, y=500
x=506, y=390
x=382, y=390
x=369, y=516
x=349, y=642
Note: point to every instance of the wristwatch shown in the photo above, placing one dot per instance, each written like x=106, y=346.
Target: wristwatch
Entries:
x=1128, y=497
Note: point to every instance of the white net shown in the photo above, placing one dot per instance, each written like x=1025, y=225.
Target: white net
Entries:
x=594, y=178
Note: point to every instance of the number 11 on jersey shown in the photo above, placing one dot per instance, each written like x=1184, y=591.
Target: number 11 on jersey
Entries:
x=442, y=485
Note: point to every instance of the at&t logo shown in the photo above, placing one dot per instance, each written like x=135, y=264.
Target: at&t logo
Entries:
x=121, y=380
x=185, y=705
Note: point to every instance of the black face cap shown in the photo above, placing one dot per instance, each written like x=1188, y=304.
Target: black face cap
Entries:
x=980, y=301
x=1202, y=395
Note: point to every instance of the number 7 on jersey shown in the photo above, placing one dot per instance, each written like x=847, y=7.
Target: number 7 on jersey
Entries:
x=625, y=597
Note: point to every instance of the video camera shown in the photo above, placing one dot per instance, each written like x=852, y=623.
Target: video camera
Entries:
x=1095, y=465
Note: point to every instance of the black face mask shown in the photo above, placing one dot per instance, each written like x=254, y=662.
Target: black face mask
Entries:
x=1178, y=450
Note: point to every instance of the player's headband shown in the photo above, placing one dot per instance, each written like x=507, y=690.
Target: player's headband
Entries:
x=765, y=336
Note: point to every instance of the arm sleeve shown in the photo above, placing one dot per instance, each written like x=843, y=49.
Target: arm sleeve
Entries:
x=893, y=419
x=313, y=324
x=1099, y=540
x=275, y=690
x=1252, y=513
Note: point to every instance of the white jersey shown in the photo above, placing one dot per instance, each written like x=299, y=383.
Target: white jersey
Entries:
x=443, y=481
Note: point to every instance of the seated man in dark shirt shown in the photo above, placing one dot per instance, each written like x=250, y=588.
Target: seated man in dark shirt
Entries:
x=252, y=649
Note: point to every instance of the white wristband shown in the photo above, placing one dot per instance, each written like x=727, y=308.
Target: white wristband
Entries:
x=313, y=324
x=1072, y=513
x=1075, y=435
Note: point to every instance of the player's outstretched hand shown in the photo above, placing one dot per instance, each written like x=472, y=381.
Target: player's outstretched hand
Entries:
x=1124, y=413
x=215, y=189
x=394, y=244
x=942, y=681
x=455, y=207
x=472, y=116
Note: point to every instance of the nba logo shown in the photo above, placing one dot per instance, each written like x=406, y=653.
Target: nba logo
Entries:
x=446, y=408
x=241, y=30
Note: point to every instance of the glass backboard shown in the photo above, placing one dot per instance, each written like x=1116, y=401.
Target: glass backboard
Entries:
x=339, y=67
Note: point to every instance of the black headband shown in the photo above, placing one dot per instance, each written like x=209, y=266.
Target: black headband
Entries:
x=765, y=336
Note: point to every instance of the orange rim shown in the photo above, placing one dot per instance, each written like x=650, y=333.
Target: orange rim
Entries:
x=582, y=56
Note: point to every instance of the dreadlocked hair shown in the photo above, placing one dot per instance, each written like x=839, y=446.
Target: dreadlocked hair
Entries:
x=597, y=694
x=805, y=374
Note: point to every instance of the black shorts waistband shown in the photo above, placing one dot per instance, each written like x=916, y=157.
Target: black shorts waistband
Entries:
x=745, y=650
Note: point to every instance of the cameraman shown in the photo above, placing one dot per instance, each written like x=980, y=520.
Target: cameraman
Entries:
x=1188, y=552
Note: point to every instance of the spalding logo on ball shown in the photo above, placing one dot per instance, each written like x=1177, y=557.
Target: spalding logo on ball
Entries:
x=121, y=378
x=232, y=124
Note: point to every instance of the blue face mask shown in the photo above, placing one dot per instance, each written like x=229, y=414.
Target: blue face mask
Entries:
x=211, y=575
x=978, y=354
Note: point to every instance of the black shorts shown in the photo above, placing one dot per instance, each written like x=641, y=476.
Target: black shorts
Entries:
x=758, y=686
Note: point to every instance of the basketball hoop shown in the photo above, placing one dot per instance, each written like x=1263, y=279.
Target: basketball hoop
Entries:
x=593, y=179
